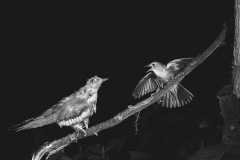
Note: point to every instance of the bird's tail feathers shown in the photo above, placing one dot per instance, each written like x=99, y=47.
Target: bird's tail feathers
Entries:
x=33, y=123
x=20, y=124
x=186, y=95
x=178, y=96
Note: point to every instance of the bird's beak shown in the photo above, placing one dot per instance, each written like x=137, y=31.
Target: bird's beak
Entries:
x=149, y=70
x=148, y=66
x=104, y=79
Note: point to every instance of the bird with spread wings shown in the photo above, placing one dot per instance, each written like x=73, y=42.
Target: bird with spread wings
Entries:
x=158, y=76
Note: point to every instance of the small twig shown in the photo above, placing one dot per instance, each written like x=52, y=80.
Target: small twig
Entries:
x=53, y=147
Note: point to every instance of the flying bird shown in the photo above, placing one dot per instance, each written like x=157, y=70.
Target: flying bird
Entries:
x=73, y=110
x=158, y=76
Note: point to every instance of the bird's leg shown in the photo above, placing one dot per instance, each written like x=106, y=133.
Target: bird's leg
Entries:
x=155, y=92
x=86, y=122
x=79, y=127
x=72, y=137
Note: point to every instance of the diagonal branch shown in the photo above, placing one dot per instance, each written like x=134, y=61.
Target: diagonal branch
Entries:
x=55, y=146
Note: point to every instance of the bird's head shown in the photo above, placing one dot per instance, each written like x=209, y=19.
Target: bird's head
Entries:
x=95, y=82
x=154, y=66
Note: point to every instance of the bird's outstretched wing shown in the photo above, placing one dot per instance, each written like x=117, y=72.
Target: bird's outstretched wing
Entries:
x=149, y=83
x=178, y=65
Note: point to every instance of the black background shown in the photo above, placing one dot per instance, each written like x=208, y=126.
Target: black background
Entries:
x=50, y=48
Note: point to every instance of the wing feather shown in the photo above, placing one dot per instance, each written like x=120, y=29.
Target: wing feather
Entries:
x=147, y=84
x=179, y=64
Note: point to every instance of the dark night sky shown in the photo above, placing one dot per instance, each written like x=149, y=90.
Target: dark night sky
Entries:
x=52, y=48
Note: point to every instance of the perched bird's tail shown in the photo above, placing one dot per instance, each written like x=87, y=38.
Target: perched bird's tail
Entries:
x=34, y=123
x=178, y=96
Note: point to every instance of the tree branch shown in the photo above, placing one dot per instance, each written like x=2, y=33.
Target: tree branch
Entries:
x=236, y=52
x=55, y=146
